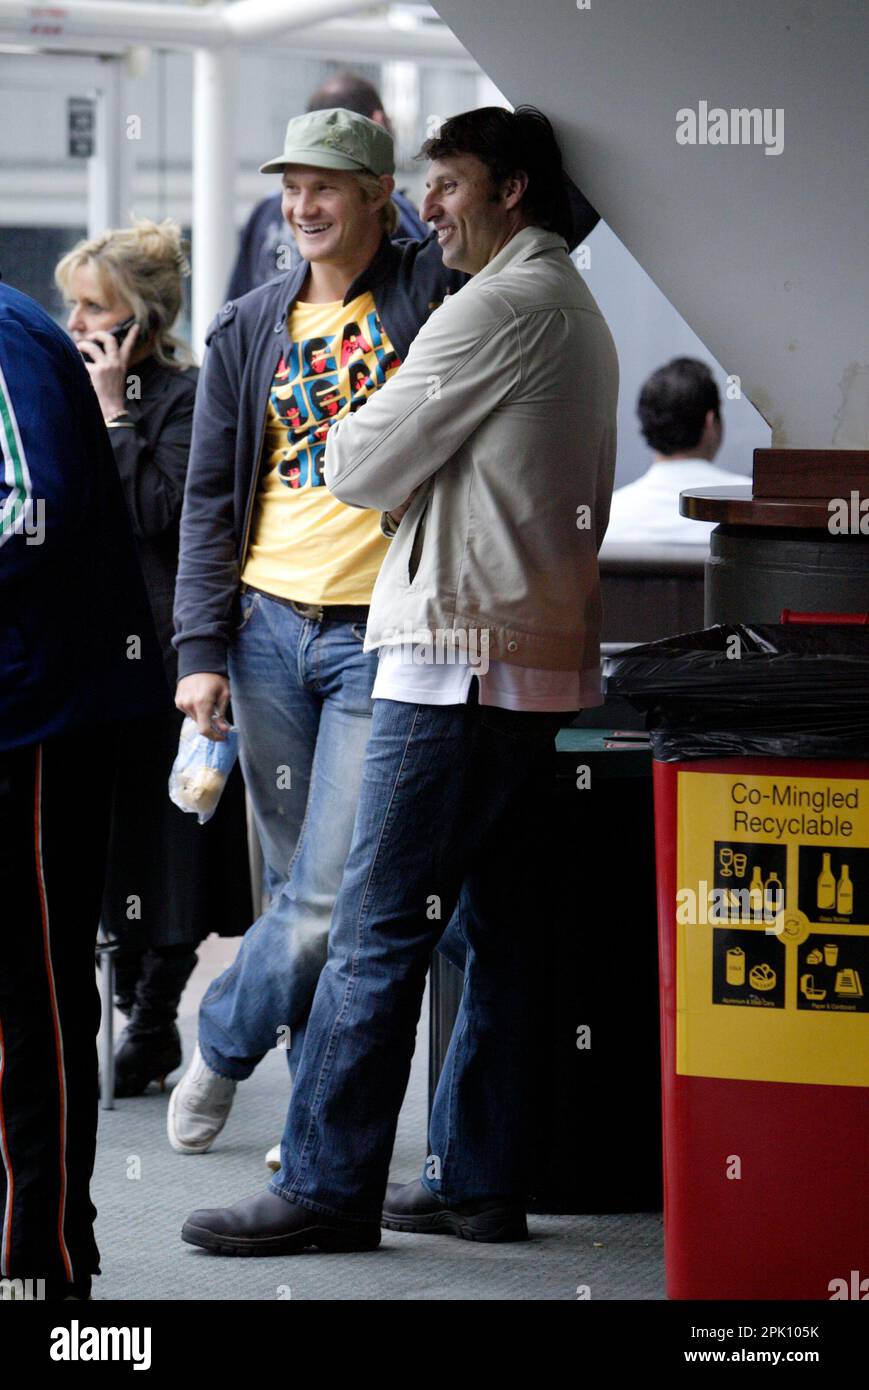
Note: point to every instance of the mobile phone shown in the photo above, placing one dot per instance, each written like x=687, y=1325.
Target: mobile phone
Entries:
x=120, y=330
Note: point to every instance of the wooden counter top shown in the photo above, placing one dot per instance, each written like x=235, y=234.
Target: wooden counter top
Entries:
x=735, y=506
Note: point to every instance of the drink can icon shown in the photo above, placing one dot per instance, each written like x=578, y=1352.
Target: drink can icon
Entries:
x=735, y=967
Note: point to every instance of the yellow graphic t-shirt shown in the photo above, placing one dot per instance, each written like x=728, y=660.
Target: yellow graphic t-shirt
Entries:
x=305, y=544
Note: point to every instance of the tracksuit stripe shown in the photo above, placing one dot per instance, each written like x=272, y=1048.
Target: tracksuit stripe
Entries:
x=16, y=474
x=52, y=994
x=6, y=1234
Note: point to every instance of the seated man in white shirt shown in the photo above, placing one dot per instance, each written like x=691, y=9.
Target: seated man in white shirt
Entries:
x=680, y=417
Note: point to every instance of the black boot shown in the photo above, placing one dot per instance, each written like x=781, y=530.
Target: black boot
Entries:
x=128, y=970
x=150, y=1046
x=411, y=1207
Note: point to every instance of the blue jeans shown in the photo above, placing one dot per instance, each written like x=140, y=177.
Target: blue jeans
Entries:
x=301, y=697
x=451, y=808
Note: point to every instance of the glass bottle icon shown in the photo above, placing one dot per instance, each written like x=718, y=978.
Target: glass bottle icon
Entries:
x=826, y=887
x=845, y=893
x=774, y=896
x=755, y=890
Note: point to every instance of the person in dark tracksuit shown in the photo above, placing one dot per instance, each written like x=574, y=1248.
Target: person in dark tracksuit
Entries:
x=78, y=653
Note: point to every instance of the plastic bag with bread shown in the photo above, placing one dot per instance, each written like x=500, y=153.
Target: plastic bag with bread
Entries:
x=200, y=770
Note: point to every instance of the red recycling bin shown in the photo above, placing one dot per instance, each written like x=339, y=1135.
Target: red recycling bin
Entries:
x=763, y=884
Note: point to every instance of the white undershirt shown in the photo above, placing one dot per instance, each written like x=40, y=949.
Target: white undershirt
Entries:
x=400, y=677
x=647, y=510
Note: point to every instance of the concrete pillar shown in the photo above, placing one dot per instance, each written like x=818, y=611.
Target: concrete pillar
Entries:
x=109, y=172
x=213, y=235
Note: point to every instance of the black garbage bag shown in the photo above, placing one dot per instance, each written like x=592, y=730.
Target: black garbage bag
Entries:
x=766, y=690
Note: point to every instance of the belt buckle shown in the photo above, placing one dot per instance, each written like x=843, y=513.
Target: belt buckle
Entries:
x=309, y=611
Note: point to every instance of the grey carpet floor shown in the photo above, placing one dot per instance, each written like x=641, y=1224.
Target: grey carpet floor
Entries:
x=144, y=1191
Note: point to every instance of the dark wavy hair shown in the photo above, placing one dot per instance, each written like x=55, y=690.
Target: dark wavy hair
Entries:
x=673, y=405
x=508, y=142
x=347, y=89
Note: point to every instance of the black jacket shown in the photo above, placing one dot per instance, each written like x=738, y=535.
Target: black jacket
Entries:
x=408, y=281
x=191, y=879
x=151, y=456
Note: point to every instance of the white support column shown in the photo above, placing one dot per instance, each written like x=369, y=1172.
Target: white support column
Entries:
x=109, y=173
x=213, y=233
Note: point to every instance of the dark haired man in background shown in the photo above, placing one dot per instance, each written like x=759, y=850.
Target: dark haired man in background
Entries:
x=493, y=448
x=680, y=416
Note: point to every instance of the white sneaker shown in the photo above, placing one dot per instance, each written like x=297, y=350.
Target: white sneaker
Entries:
x=273, y=1158
x=198, y=1107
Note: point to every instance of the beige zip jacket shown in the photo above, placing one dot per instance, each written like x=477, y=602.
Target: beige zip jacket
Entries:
x=503, y=414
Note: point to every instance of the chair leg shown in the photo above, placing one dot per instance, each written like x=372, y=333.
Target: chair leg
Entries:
x=107, y=1031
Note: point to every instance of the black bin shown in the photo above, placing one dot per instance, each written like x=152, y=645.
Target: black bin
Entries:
x=599, y=1106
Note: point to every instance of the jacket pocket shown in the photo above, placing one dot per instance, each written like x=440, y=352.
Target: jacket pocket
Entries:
x=248, y=604
x=416, y=546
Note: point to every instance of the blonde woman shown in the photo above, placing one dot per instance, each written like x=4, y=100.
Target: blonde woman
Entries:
x=170, y=880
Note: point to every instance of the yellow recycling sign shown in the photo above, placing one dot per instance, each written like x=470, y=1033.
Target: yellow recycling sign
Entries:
x=772, y=922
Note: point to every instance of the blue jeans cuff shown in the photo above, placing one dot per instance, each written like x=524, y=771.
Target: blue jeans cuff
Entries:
x=230, y=1071
x=435, y=1191
x=321, y=1208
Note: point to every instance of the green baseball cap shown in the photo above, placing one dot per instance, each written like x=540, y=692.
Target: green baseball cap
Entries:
x=335, y=139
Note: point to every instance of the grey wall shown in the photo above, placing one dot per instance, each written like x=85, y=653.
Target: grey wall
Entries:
x=763, y=255
x=648, y=332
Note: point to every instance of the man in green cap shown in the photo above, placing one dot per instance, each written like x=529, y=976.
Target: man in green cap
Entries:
x=275, y=575
x=265, y=249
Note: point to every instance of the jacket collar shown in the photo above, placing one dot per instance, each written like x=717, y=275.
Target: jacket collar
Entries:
x=524, y=246
x=374, y=273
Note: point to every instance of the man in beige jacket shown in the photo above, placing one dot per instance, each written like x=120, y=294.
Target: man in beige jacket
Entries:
x=491, y=453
